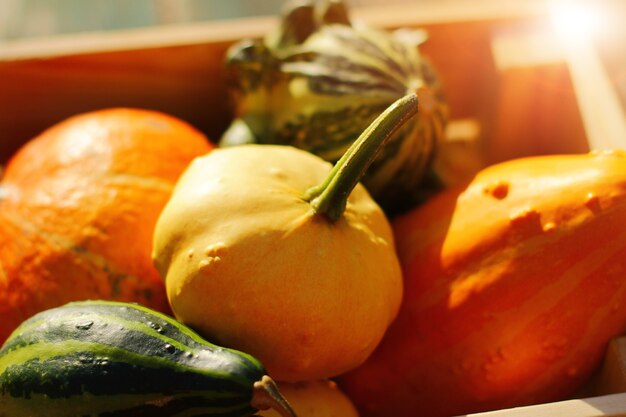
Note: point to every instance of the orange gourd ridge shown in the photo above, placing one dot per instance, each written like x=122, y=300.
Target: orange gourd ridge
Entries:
x=514, y=286
x=78, y=206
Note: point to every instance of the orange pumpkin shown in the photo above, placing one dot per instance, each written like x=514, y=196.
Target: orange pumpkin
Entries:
x=513, y=288
x=78, y=206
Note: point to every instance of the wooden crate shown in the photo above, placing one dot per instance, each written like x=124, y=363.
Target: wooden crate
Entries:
x=513, y=87
x=524, y=101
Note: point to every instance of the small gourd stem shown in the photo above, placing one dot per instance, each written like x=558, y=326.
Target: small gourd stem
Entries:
x=266, y=395
x=330, y=197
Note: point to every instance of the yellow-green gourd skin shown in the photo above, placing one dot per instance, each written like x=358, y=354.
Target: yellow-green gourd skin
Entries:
x=249, y=263
x=317, y=80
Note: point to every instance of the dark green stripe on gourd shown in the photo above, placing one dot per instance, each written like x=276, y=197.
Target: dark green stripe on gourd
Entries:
x=109, y=358
x=318, y=81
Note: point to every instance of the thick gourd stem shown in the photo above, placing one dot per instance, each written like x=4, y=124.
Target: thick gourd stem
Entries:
x=266, y=395
x=330, y=197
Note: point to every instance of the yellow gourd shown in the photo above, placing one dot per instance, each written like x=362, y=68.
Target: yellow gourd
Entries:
x=314, y=399
x=271, y=250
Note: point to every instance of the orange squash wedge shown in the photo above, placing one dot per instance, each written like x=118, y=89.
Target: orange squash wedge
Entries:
x=514, y=285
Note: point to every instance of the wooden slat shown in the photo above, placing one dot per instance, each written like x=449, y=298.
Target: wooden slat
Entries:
x=605, y=406
x=135, y=39
x=387, y=16
x=602, y=113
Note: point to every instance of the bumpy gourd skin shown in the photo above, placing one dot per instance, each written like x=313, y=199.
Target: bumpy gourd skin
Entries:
x=317, y=81
x=78, y=205
x=514, y=286
x=249, y=263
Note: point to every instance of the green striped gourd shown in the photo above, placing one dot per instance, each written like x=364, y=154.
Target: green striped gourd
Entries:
x=318, y=81
x=103, y=358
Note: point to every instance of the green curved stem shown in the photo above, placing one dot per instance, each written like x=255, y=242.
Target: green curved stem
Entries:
x=330, y=197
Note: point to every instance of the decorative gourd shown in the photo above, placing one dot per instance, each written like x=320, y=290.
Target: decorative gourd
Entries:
x=266, y=249
x=104, y=358
x=78, y=206
x=314, y=399
x=318, y=81
x=513, y=288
